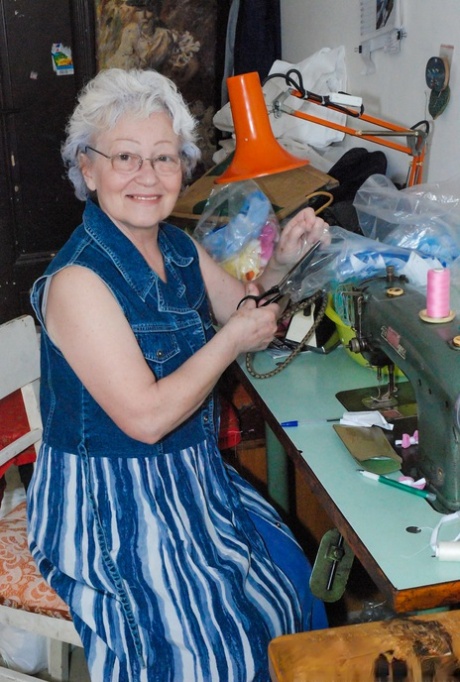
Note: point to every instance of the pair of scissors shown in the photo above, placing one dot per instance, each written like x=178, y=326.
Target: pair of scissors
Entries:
x=283, y=287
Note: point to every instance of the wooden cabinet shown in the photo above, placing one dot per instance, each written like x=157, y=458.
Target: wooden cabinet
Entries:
x=37, y=207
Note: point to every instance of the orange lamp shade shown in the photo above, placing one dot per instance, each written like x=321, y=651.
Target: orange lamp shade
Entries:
x=257, y=152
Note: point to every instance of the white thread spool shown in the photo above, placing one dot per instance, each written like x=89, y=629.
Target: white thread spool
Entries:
x=448, y=551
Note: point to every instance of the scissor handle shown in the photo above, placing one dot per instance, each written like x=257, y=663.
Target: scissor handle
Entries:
x=249, y=297
x=270, y=296
x=274, y=299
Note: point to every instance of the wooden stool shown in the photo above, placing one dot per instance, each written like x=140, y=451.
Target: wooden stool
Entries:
x=415, y=649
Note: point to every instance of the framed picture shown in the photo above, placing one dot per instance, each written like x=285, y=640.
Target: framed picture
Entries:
x=177, y=38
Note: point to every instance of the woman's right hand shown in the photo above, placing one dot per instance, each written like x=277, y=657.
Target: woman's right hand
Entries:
x=253, y=328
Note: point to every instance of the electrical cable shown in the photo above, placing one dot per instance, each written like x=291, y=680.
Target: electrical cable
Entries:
x=289, y=312
x=322, y=100
x=292, y=310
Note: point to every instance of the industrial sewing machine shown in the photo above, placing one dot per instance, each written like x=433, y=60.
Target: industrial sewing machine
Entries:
x=389, y=331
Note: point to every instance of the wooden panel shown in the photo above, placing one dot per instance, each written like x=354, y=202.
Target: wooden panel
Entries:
x=416, y=648
x=38, y=209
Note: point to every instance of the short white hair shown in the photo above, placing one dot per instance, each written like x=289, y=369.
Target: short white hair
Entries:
x=113, y=93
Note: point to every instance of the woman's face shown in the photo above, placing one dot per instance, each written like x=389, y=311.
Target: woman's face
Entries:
x=141, y=199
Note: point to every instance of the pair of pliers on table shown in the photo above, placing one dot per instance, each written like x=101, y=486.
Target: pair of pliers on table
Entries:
x=284, y=286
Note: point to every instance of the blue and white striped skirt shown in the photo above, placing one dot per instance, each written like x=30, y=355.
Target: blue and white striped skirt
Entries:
x=174, y=568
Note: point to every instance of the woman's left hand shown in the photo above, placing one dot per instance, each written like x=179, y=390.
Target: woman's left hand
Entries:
x=303, y=230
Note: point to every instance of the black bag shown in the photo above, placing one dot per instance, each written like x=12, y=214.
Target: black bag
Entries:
x=351, y=170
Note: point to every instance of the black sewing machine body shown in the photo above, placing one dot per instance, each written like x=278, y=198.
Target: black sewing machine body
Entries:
x=390, y=331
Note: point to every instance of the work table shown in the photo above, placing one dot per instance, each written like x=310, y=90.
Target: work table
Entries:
x=372, y=517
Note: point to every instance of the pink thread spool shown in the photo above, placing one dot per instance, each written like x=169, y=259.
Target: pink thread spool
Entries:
x=438, y=296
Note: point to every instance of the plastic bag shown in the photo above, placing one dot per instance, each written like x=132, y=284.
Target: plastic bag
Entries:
x=239, y=229
x=23, y=651
x=423, y=217
x=350, y=257
x=455, y=285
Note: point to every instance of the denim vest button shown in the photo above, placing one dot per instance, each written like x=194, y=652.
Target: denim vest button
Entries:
x=159, y=353
x=205, y=418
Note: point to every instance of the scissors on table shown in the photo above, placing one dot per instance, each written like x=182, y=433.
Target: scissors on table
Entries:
x=283, y=287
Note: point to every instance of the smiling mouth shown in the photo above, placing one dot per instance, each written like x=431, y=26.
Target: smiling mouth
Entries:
x=137, y=197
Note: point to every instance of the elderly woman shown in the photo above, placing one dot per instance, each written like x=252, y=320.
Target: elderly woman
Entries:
x=173, y=567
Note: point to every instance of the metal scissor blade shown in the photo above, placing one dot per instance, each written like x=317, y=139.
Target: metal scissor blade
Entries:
x=297, y=270
x=283, y=289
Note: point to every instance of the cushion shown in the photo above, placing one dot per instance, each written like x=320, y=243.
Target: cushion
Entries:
x=21, y=584
x=230, y=430
x=14, y=424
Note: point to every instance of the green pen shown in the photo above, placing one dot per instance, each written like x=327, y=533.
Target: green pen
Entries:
x=431, y=497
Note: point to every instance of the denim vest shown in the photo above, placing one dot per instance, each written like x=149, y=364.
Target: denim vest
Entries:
x=171, y=321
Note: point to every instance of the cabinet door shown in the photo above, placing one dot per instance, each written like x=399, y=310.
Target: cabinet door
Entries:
x=37, y=207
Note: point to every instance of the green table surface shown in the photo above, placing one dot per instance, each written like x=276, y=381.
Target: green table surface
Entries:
x=378, y=514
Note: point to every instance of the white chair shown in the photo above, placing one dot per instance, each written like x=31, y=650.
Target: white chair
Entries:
x=26, y=601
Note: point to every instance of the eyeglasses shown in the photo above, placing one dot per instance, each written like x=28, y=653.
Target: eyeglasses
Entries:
x=125, y=162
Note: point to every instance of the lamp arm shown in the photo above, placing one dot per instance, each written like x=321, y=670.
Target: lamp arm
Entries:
x=415, y=137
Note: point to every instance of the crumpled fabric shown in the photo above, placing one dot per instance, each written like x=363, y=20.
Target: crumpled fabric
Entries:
x=323, y=73
x=366, y=418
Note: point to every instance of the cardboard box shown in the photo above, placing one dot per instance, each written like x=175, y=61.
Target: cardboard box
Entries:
x=288, y=191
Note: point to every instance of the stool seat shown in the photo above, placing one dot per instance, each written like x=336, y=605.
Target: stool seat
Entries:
x=424, y=647
x=21, y=584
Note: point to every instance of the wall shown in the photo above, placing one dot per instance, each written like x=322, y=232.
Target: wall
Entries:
x=397, y=90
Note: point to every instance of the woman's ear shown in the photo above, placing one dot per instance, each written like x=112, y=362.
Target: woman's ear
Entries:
x=86, y=167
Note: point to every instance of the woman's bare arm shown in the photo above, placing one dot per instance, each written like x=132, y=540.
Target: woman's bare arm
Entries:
x=86, y=323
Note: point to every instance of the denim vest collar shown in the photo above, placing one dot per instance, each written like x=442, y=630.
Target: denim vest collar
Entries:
x=133, y=267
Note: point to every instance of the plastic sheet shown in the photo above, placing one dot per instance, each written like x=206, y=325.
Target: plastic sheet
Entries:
x=23, y=651
x=424, y=217
x=239, y=229
x=352, y=258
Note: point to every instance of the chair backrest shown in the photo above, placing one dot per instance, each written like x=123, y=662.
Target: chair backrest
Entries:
x=26, y=601
x=20, y=369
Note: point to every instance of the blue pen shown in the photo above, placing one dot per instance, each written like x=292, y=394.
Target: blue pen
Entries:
x=303, y=422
